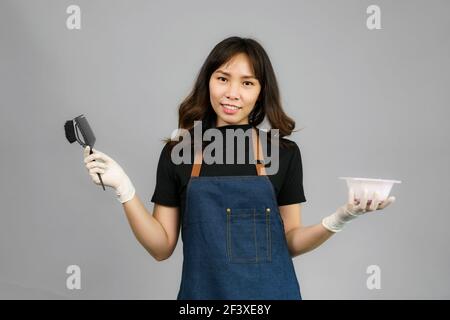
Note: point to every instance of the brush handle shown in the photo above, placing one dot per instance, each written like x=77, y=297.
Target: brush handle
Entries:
x=99, y=176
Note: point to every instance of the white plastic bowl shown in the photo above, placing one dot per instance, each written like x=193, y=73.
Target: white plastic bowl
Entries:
x=382, y=186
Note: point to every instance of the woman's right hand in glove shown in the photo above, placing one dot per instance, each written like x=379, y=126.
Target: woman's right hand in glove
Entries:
x=111, y=172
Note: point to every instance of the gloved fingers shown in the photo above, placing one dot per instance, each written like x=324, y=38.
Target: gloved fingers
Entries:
x=102, y=153
x=375, y=201
x=94, y=164
x=351, y=198
x=386, y=203
x=352, y=203
x=96, y=170
x=95, y=178
x=86, y=152
x=97, y=155
x=364, y=198
x=107, y=159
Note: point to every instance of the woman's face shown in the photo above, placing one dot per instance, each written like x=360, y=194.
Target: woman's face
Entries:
x=234, y=84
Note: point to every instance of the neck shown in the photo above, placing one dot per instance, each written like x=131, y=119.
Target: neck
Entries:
x=221, y=123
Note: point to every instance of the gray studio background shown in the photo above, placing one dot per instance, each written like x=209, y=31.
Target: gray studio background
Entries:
x=373, y=103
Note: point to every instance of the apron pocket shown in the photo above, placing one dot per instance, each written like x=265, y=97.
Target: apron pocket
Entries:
x=248, y=235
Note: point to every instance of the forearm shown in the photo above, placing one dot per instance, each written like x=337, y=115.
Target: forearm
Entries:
x=303, y=239
x=147, y=230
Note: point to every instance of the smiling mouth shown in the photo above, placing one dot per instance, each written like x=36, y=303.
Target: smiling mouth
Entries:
x=230, y=107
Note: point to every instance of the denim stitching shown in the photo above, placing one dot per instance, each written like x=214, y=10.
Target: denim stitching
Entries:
x=267, y=233
x=230, y=238
x=234, y=218
x=188, y=187
x=269, y=239
x=254, y=235
x=229, y=235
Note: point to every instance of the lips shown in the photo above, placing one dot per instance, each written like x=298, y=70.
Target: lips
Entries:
x=230, y=109
x=230, y=105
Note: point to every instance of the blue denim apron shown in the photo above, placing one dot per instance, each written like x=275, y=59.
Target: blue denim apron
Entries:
x=234, y=245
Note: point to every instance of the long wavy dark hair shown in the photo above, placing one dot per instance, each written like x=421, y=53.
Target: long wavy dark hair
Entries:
x=197, y=105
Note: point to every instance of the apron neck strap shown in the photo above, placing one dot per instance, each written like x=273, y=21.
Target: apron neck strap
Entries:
x=257, y=154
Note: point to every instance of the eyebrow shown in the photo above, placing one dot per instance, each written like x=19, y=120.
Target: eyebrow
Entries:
x=243, y=77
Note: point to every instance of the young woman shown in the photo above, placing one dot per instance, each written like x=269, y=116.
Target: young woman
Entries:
x=240, y=227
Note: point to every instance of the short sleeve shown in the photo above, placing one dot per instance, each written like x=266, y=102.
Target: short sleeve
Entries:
x=292, y=188
x=166, y=189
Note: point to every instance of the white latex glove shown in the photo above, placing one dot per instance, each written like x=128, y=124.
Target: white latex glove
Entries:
x=354, y=208
x=112, y=174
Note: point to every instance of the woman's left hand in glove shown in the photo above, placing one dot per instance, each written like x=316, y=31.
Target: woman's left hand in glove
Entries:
x=355, y=208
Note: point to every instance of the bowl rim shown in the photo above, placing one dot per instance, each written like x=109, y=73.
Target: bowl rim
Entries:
x=371, y=179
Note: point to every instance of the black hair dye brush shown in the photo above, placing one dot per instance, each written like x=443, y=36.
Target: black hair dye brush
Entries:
x=80, y=123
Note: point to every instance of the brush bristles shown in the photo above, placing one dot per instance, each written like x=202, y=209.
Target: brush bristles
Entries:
x=70, y=131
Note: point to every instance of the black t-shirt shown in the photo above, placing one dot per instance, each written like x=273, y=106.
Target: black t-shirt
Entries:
x=172, y=179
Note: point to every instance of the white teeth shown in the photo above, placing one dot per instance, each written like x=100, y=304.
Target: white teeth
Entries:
x=230, y=107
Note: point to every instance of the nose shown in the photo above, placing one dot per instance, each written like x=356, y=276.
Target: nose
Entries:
x=233, y=92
